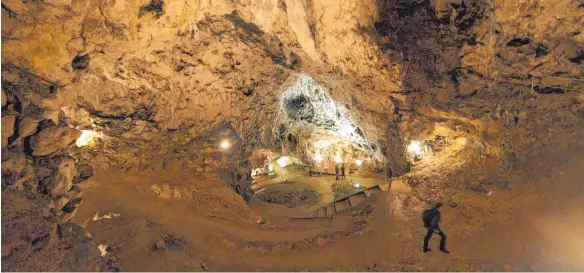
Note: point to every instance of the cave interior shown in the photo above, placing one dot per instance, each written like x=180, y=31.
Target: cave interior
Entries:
x=291, y=135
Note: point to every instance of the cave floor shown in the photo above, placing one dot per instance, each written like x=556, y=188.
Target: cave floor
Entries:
x=327, y=188
x=533, y=226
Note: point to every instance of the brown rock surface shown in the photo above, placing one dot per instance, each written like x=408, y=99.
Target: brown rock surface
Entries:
x=7, y=129
x=159, y=86
x=53, y=139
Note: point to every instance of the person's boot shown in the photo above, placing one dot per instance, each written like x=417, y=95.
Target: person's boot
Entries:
x=426, y=250
x=444, y=250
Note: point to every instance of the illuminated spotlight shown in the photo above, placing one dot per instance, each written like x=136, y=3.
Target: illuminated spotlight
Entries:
x=225, y=144
x=283, y=161
x=357, y=186
x=358, y=162
x=318, y=158
x=338, y=159
x=87, y=137
x=415, y=147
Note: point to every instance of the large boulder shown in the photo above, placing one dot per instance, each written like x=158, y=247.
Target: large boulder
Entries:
x=84, y=255
x=13, y=161
x=7, y=129
x=83, y=172
x=61, y=180
x=53, y=139
x=56, y=185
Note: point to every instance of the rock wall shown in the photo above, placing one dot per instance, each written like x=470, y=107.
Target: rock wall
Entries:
x=40, y=194
x=166, y=81
x=505, y=71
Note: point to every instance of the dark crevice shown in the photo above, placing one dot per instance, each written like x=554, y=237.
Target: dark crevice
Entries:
x=578, y=58
x=15, y=136
x=548, y=90
x=155, y=6
x=541, y=50
x=519, y=42
x=80, y=62
x=11, y=13
x=249, y=32
x=299, y=108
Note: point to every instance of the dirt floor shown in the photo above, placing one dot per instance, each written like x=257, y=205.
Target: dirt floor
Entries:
x=289, y=183
x=531, y=224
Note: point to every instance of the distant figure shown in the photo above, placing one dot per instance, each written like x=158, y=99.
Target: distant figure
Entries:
x=310, y=170
x=343, y=171
x=431, y=218
x=336, y=172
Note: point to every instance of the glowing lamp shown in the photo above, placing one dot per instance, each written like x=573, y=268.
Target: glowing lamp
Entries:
x=415, y=147
x=225, y=144
x=358, y=162
x=357, y=186
x=318, y=158
x=283, y=161
x=87, y=137
x=338, y=159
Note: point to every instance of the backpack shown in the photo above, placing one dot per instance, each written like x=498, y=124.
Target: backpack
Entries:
x=427, y=217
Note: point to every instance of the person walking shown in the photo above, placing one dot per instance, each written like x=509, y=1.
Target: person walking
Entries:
x=343, y=172
x=431, y=218
x=336, y=172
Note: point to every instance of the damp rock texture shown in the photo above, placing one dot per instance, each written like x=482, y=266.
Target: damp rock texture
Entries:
x=161, y=84
x=39, y=197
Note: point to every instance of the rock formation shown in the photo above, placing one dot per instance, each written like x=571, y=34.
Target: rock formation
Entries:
x=163, y=82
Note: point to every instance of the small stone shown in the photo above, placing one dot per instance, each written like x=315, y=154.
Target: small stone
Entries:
x=74, y=233
x=46, y=212
x=204, y=266
x=83, y=172
x=4, y=100
x=159, y=245
x=61, y=202
x=7, y=129
x=173, y=242
x=75, y=192
x=489, y=193
x=83, y=257
x=453, y=204
x=320, y=241
x=66, y=167
x=72, y=205
x=13, y=161
x=477, y=187
x=69, y=215
x=56, y=185
x=53, y=139
x=27, y=127
x=261, y=221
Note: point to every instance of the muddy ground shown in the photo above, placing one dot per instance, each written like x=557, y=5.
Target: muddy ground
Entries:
x=531, y=224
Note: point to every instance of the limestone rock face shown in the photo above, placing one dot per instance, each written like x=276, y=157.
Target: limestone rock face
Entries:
x=155, y=76
x=165, y=82
x=7, y=129
x=27, y=127
x=4, y=100
x=53, y=139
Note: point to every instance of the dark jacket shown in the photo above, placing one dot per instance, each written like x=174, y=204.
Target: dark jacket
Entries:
x=435, y=218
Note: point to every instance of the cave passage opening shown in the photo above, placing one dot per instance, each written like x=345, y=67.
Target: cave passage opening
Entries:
x=319, y=140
